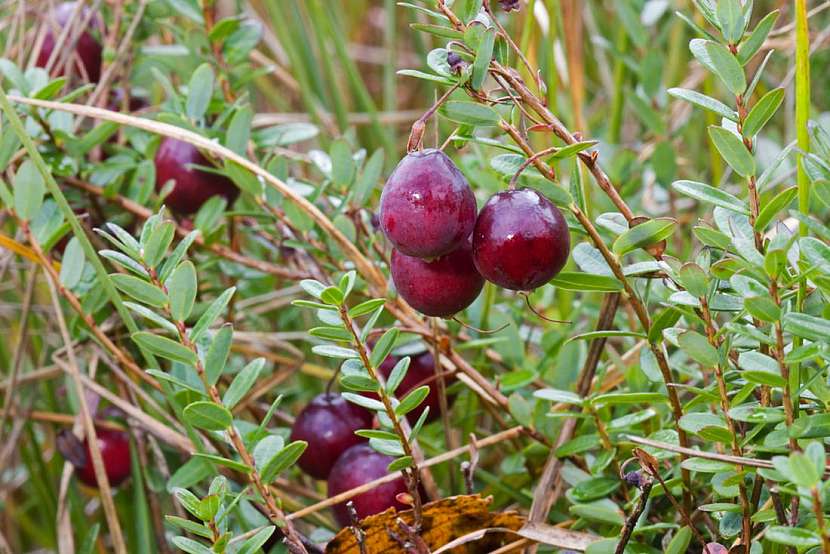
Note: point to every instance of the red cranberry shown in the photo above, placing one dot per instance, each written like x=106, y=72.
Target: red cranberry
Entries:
x=87, y=48
x=328, y=424
x=115, y=451
x=357, y=466
x=193, y=186
x=134, y=103
x=716, y=548
x=441, y=287
x=427, y=209
x=521, y=240
x=421, y=372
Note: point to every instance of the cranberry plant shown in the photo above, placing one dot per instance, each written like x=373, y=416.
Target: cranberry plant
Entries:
x=289, y=275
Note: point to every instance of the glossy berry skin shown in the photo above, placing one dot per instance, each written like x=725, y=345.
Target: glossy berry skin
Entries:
x=328, y=424
x=359, y=465
x=520, y=240
x=421, y=372
x=87, y=49
x=441, y=287
x=193, y=186
x=427, y=209
x=115, y=451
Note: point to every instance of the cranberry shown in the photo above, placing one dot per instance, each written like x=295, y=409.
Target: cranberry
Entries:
x=115, y=451
x=357, y=466
x=134, y=103
x=421, y=372
x=328, y=424
x=441, y=287
x=716, y=548
x=193, y=186
x=521, y=240
x=87, y=48
x=427, y=209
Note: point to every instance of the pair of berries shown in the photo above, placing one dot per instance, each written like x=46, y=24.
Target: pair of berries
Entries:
x=328, y=423
x=443, y=252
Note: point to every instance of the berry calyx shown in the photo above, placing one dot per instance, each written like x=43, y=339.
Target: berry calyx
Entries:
x=328, y=424
x=427, y=208
x=421, y=372
x=87, y=54
x=193, y=187
x=441, y=287
x=115, y=453
x=357, y=466
x=521, y=240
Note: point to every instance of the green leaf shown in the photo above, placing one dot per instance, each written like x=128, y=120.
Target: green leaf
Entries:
x=176, y=256
x=598, y=512
x=753, y=43
x=762, y=111
x=573, y=149
x=721, y=62
x=199, y=91
x=368, y=403
x=397, y=375
x=343, y=168
x=190, y=546
x=426, y=76
x=571, y=280
x=802, y=471
x=188, y=500
x=217, y=354
x=72, y=265
x=807, y=326
x=209, y=316
x=208, y=415
x=438, y=30
x=817, y=253
x=331, y=351
x=705, y=102
x=239, y=130
x=563, y=396
x=164, y=347
x=29, y=189
x=189, y=526
x=181, y=288
x=412, y=400
x=242, y=383
x=141, y=290
x=710, y=195
x=792, y=536
x=614, y=398
x=484, y=54
x=665, y=319
x=366, y=307
x=232, y=464
x=731, y=19
x=760, y=369
x=158, y=242
x=763, y=308
x=254, y=543
x=771, y=208
x=470, y=113
x=679, y=544
x=733, y=151
x=594, y=489
x=651, y=232
x=284, y=459
x=400, y=463
x=383, y=346
x=697, y=347
x=151, y=316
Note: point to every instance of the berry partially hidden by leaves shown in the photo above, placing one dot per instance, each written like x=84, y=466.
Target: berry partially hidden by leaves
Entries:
x=427, y=208
x=510, y=5
x=328, y=424
x=115, y=452
x=193, y=187
x=521, y=240
x=421, y=372
x=441, y=287
x=87, y=50
x=455, y=62
x=357, y=466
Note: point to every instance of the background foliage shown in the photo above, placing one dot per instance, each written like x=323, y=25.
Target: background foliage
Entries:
x=683, y=401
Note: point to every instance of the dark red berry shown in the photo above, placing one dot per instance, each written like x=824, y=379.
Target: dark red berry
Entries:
x=716, y=548
x=87, y=48
x=521, y=240
x=421, y=372
x=455, y=62
x=328, y=424
x=134, y=103
x=427, y=209
x=115, y=451
x=441, y=287
x=193, y=186
x=357, y=466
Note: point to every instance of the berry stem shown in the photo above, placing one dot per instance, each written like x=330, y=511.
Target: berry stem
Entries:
x=412, y=474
